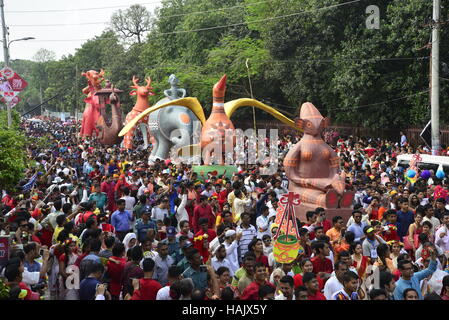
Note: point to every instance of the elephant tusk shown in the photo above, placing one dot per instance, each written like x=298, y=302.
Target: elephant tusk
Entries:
x=189, y=102
x=231, y=106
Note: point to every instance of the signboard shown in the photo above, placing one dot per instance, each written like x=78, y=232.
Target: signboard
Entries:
x=426, y=134
x=10, y=86
x=12, y=103
x=4, y=250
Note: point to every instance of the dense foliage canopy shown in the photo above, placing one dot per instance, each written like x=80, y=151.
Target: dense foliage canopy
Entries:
x=297, y=50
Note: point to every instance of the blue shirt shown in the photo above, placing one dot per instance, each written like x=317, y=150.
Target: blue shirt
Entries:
x=120, y=220
x=405, y=219
x=141, y=228
x=402, y=284
x=88, y=287
x=199, y=278
x=357, y=229
x=32, y=267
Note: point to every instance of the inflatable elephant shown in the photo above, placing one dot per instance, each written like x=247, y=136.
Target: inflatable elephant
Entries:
x=172, y=126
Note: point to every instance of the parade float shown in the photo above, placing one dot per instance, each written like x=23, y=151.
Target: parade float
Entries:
x=213, y=129
x=313, y=169
x=96, y=122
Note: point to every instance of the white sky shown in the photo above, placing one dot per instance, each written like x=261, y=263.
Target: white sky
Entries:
x=67, y=20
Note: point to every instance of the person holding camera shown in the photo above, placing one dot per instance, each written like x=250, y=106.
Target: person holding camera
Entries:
x=410, y=279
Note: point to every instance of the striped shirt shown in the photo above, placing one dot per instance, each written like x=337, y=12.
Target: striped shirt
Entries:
x=247, y=236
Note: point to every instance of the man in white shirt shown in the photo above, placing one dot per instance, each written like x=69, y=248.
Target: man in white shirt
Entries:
x=208, y=191
x=442, y=234
x=287, y=289
x=335, y=282
x=428, y=211
x=231, y=245
x=220, y=260
x=263, y=223
x=161, y=211
x=180, y=209
x=129, y=201
x=174, y=274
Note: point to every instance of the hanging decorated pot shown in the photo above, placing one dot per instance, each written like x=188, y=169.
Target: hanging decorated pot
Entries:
x=286, y=249
x=286, y=244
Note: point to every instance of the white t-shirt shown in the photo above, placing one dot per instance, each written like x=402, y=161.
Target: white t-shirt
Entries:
x=164, y=293
x=331, y=287
x=129, y=203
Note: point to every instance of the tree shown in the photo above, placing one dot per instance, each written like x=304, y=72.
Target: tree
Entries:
x=44, y=55
x=12, y=156
x=132, y=23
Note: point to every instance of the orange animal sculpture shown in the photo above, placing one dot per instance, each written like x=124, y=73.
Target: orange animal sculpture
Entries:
x=92, y=111
x=213, y=136
x=313, y=167
x=141, y=105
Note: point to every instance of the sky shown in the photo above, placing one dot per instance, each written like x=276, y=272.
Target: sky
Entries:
x=67, y=15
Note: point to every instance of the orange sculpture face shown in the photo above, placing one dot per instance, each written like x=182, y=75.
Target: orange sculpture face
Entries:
x=94, y=78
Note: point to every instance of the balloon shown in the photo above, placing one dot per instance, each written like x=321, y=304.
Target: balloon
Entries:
x=425, y=174
x=440, y=174
x=411, y=173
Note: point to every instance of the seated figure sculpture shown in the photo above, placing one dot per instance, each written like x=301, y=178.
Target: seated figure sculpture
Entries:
x=313, y=167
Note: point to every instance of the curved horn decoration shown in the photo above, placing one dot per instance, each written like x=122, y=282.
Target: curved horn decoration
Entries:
x=192, y=103
x=231, y=106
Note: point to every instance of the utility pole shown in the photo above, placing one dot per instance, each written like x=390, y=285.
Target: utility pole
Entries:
x=435, y=87
x=5, y=54
x=252, y=96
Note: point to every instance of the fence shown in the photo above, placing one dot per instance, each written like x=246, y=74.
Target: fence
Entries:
x=392, y=134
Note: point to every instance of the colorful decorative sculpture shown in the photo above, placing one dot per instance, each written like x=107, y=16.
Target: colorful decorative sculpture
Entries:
x=213, y=133
x=286, y=244
x=92, y=111
x=141, y=105
x=171, y=126
x=313, y=167
x=108, y=130
x=412, y=173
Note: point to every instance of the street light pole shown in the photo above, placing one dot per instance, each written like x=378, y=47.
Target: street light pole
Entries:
x=5, y=54
x=6, y=51
x=5, y=32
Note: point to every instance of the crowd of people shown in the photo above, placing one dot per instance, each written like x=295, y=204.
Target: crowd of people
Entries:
x=102, y=223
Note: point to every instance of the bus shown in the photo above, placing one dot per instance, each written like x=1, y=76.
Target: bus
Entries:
x=428, y=162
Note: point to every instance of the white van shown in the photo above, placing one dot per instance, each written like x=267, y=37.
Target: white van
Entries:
x=428, y=162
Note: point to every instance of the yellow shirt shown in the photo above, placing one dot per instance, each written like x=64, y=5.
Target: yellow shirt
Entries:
x=333, y=234
x=56, y=234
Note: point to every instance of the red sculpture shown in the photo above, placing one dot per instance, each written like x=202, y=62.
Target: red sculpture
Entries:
x=313, y=167
x=216, y=125
x=141, y=105
x=92, y=111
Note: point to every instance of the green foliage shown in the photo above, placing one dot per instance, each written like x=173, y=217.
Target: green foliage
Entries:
x=12, y=153
x=297, y=51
